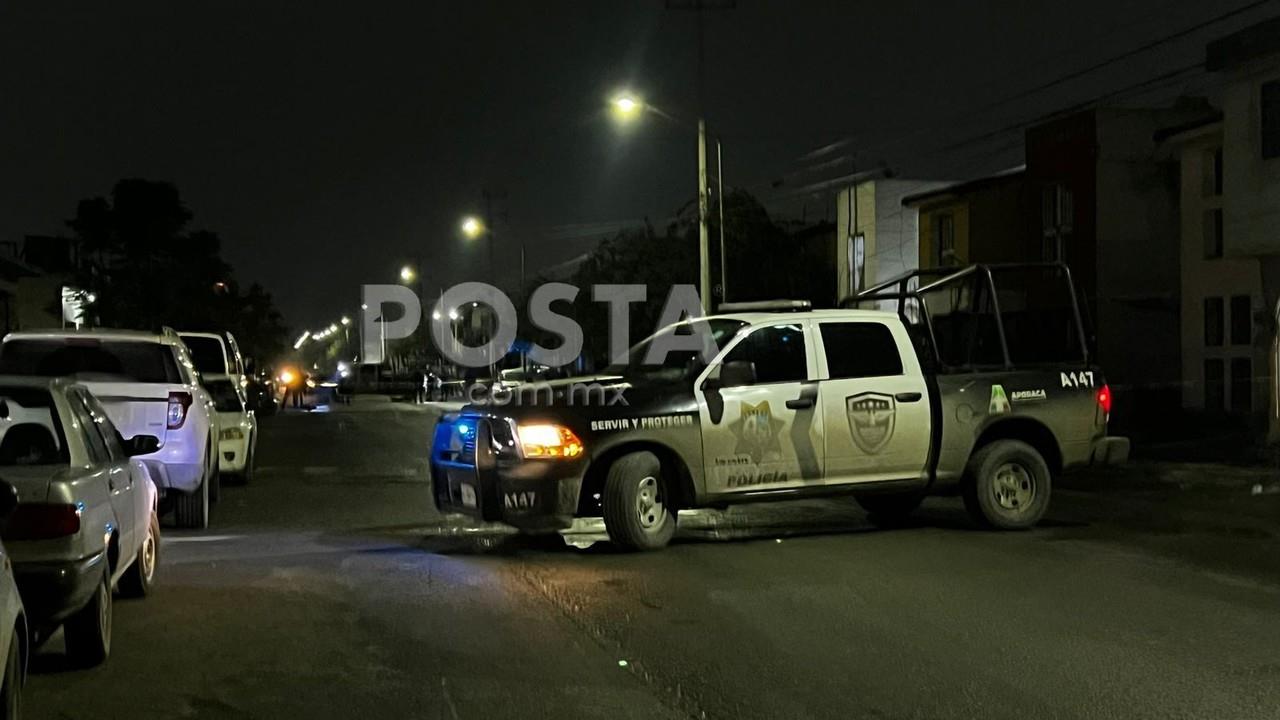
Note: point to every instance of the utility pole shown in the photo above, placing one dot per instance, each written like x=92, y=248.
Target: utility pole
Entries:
x=704, y=250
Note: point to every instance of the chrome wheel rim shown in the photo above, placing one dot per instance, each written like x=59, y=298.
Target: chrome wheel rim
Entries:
x=649, y=507
x=148, y=557
x=1014, y=488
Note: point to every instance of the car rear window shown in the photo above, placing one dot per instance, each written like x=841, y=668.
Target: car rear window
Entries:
x=207, y=354
x=225, y=398
x=132, y=360
x=30, y=431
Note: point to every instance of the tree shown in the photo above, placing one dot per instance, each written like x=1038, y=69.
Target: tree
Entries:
x=147, y=270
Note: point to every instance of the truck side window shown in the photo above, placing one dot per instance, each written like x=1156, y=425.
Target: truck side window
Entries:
x=860, y=349
x=778, y=353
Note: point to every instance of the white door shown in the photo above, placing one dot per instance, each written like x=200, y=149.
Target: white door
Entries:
x=766, y=434
x=875, y=404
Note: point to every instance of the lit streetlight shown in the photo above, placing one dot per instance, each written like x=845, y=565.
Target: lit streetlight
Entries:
x=626, y=107
x=472, y=227
x=345, y=320
x=406, y=273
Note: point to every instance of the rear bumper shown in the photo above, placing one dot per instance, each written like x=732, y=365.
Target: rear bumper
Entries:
x=53, y=591
x=1110, y=450
x=233, y=455
x=182, y=477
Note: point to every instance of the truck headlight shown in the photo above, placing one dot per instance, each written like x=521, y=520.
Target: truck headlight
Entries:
x=548, y=441
x=231, y=433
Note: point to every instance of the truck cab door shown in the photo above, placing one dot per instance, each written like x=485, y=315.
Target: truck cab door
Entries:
x=762, y=431
x=875, y=401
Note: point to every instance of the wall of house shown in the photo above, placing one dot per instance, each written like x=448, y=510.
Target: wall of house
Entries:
x=1139, y=331
x=1208, y=277
x=1251, y=207
x=958, y=209
x=855, y=213
x=897, y=244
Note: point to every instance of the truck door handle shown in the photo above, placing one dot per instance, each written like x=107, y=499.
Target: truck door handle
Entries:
x=908, y=397
x=800, y=403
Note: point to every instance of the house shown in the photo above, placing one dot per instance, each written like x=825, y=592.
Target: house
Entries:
x=1098, y=194
x=1241, y=242
x=876, y=235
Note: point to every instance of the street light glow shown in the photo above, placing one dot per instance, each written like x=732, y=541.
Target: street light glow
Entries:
x=626, y=106
x=435, y=314
x=472, y=227
x=406, y=273
x=453, y=314
x=345, y=320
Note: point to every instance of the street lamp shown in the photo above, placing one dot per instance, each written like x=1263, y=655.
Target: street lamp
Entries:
x=626, y=107
x=472, y=227
x=406, y=273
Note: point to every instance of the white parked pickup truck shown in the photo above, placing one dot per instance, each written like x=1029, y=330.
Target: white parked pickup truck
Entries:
x=149, y=386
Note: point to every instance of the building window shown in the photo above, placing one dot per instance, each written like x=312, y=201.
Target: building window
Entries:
x=1213, y=322
x=1212, y=160
x=1213, y=233
x=944, y=239
x=1241, y=320
x=1270, y=130
x=1241, y=385
x=1214, y=386
x=1057, y=210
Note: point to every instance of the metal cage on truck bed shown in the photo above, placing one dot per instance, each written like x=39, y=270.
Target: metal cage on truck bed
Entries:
x=986, y=316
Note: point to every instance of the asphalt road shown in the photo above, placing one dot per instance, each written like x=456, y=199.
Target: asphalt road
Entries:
x=330, y=588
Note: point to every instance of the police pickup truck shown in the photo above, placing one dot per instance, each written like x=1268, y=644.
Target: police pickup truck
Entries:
x=965, y=381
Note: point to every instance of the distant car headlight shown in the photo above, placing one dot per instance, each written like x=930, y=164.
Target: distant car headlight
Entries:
x=231, y=433
x=548, y=441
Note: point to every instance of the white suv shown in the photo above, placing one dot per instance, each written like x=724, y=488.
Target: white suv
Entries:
x=149, y=386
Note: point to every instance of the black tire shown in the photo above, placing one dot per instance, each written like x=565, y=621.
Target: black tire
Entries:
x=11, y=690
x=215, y=475
x=191, y=510
x=88, y=632
x=637, y=512
x=247, y=474
x=889, y=509
x=1007, y=485
x=141, y=575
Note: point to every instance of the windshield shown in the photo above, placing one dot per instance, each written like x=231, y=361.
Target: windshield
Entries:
x=207, y=354
x=676, y=363
x=30, y=431
x=225, y=397
x=130, y=360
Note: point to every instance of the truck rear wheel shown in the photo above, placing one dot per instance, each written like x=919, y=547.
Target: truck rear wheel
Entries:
x=1007, y=485
x=637, y=511
x=888, y=509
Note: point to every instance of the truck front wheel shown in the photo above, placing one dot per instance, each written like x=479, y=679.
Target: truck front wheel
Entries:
x=1007, y=485
x=638, y=512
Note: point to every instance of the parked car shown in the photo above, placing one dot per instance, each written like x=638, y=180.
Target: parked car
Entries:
x=149, y=386
x=239, y=434
x=13, y=622
x=87, y=518
x=215, y=354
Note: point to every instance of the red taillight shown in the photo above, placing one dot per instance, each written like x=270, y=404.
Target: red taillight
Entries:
x=42, y=522
x=178, y=404
x=1104, y=399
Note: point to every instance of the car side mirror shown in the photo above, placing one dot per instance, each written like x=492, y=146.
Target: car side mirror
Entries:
x=141, y=445
x=737, y=373
x=8, y=502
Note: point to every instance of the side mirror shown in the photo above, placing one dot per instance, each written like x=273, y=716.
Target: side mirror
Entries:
x=141, y=445
x=8, y=502
x=737, y=373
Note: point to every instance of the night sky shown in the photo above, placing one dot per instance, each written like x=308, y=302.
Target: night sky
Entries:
x=328, y=143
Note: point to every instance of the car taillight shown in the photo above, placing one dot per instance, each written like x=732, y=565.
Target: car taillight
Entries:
x=178, y=404
x=42, y=522
x=1104, y=399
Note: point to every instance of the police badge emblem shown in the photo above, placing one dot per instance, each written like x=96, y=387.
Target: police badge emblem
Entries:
x=871, y=420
